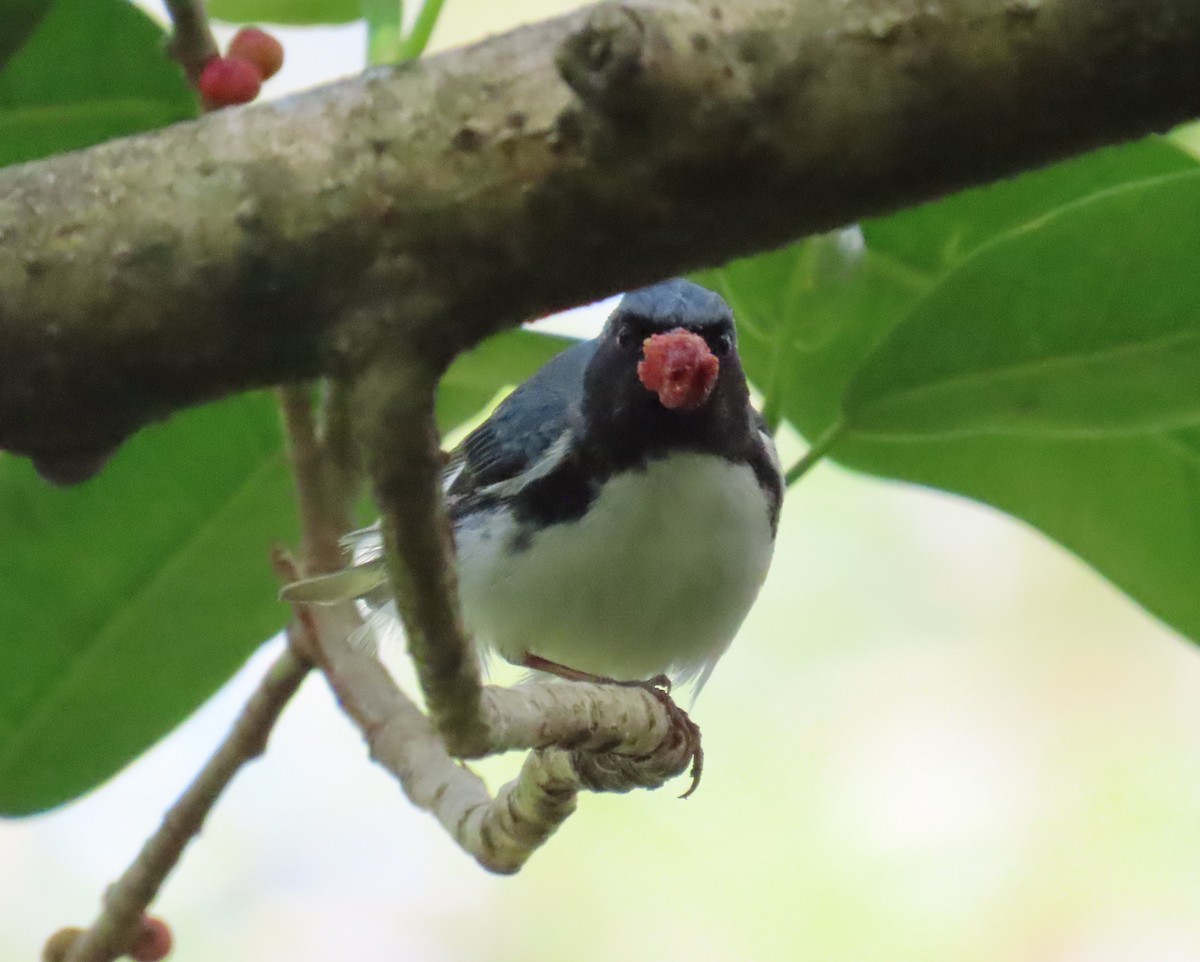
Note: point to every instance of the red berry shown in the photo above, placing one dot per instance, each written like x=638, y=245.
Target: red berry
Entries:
x=153, y=941
x=226, y=80
x=260, y=48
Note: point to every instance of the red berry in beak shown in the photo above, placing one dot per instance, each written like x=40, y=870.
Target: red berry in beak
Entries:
x=679, y=368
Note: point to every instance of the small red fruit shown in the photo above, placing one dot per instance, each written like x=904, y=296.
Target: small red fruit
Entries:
x=260, y=48
x=225, y=81
x=153, y=942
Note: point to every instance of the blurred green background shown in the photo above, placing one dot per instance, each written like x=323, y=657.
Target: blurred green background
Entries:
x=938, y=738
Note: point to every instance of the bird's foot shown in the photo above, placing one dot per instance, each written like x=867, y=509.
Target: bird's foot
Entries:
x=659, y=686
x=559, y=670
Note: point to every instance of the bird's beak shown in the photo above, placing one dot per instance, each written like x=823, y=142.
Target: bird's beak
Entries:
x=679, y=367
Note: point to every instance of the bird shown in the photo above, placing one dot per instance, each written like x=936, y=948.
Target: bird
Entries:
x=615, y=516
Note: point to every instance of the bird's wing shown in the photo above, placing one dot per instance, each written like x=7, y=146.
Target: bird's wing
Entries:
x=524, y=439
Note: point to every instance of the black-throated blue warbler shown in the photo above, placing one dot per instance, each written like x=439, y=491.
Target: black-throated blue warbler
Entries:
x=617, y=512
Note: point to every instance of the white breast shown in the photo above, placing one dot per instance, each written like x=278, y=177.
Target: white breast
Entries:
x=656, y=577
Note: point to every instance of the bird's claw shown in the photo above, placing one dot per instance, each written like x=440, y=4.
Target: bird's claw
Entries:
x=659, y=686
x=683, y=726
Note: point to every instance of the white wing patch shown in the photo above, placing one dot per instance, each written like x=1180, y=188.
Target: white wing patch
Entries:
x=364, y=545
x=772, y=452
x=550, y=460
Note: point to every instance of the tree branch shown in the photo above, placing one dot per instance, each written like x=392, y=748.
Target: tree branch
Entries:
x=396, y=430
x=593, y=737
x=126, y=900
x=321, y=503
x=428, y=205
x=324, y=488
x=192, y=43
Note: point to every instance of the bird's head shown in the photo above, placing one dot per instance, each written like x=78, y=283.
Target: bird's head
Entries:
x=667, y=363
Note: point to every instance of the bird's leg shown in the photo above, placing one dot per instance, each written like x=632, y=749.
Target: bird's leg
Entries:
x=659, y=686
x=538, y=663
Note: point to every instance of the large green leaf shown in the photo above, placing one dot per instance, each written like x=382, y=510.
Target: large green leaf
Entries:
x=18, y=18
x=93, y=70
x=1127, y=505
x=286, y=11
x=934, y=237
x=1084, y=322
x=126, y=601
x=805, y=302
x=806, y=321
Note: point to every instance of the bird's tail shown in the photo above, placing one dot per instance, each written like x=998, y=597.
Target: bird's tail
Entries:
x=348, y=584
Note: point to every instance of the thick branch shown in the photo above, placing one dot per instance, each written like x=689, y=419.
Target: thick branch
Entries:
x=394, y=400
x=539, y=169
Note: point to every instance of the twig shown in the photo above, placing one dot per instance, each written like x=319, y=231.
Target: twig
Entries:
x=126, y=900
x=320, y=506
x=321, y=512
x=398, y=435
x=814, y=455
x=595, y=737
x=418, y=38
x=321, y=498
x=192, y=43
x=335, y=430
x=385, y=30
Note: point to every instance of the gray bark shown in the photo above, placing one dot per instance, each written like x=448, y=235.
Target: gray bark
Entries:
x=426, y=206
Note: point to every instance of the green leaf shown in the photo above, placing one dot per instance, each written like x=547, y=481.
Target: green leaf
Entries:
x=820, y=300
x=129, y=599
x=1084, y=322
x=93, y=70
x=1126, y=505
x=499, y=362
x=1187, y=137
x=285, y=11
x=808, y=313
x=18, y=18
x=933, y=238
x=385, y=30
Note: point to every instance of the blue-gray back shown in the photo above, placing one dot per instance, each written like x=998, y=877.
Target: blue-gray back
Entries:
x=524, y=424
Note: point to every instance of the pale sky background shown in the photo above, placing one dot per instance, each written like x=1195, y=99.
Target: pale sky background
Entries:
x=938, y=738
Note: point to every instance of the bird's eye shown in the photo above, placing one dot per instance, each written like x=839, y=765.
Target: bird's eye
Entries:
x=627, y=337
x=722, y=344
